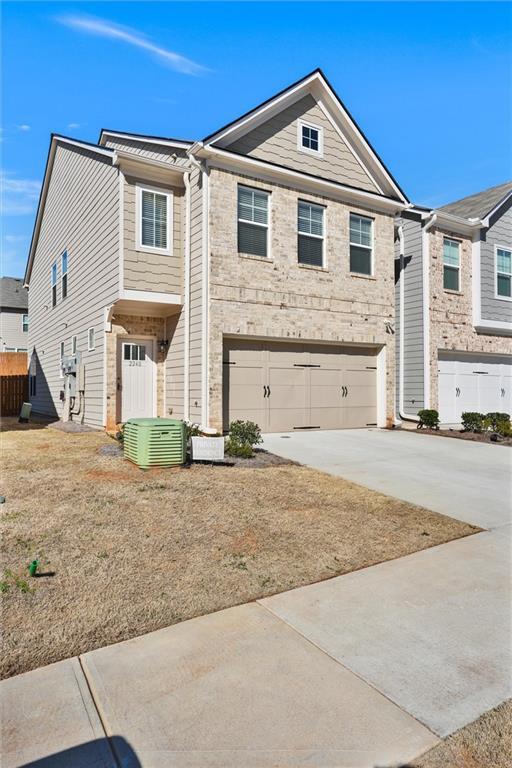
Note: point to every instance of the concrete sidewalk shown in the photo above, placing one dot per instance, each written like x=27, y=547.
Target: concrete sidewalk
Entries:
x=469, y=481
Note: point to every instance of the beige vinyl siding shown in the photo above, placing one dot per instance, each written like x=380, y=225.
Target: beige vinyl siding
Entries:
x=276, y=142
x=152, y=151
x=81, y=216
x=196, y=295
x=11, y=329
x=145, y=271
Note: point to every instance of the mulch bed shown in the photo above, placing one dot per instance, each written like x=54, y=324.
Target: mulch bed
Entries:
x=473, y=437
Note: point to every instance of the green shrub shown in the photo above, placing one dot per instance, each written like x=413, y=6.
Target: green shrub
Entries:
x=472, y=421
x=245, y=432
x=235, y=448
x=504, y=428
x=428, y=418
x=495, y=419
x=191, y=430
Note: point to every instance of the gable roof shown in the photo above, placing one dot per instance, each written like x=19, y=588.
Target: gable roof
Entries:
x=317, y=84
x=481, y=204
x=165, y=140
x=12, y=293
x=55, y=139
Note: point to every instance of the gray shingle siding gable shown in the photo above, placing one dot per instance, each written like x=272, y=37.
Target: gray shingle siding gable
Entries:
x=413, y=317
x=81, y=215
x=498, y=234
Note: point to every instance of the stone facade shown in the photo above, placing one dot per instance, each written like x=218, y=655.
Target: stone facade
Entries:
x=276, y=298
x=132, y=325
x=451, y=313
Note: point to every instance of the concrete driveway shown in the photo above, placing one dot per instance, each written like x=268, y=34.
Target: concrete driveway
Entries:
x=469, y=481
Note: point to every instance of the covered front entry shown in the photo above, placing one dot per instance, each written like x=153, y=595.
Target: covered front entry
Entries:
x=481, y=383
x=288, y=386
x=136, y=369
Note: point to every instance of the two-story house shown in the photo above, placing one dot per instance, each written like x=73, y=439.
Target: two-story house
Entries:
x=454, y=306
x=247, y=275
x=13, y=315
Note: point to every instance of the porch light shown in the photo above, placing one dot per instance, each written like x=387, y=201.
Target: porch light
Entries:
x=163, y=344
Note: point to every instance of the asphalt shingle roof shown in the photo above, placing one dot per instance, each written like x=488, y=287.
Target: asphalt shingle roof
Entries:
x=479, y=205
x=12, y=293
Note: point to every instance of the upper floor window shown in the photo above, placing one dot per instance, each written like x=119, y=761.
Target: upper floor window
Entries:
x=64, y=274
x=451, y=265
x=252, y=221
x=361, y=245
x=24, y=323
x=54, y=284
x=503, y=273
x=310, y=138
x=73, y=345
x=90, y=339
x=310, y=228
x=154, y=220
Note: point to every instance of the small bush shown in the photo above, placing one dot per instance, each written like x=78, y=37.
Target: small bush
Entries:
x=503, y=428
x=245, y=432
x=428, y=418
x=235, y=448
x=120, y=434
x=495, y=419
x=191, y=430
x=472, y=421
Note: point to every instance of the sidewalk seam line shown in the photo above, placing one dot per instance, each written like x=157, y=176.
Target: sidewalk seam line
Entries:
x=337, y=661
x=98, y=711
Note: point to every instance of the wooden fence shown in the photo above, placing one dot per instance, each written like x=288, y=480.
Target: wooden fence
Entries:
x=13, y=382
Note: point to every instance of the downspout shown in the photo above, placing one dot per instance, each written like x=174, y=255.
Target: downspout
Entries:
x=401, y=339
x=425, y=251
x=186, y=367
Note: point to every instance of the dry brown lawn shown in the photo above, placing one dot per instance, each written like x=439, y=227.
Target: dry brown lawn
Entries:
x=486, y=743
x=133, y=551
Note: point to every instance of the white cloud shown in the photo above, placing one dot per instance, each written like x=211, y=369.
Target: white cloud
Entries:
x=23, y=127
x=15, y=238
x=19, y=196
x=73, y=125
x=109, y=29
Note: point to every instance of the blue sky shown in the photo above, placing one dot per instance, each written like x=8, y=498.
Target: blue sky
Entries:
x=429, y=83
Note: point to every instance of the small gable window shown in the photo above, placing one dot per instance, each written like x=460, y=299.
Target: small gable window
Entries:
x=310, y=138
x=503, y=273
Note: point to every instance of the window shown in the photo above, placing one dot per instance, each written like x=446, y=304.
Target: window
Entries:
x=73, y=345
x=361, y=245
x=24, y=323
x=90, y=339
x=154, y=220
x=54, y=284
x=135, y=353
x=32, y=385
x=310, y=226
x=503, y=273
x=64, y=274
x=252, y=221
x=310, y=138
x=451, y=265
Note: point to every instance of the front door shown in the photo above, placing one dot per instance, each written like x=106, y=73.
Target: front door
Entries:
x=137, y=367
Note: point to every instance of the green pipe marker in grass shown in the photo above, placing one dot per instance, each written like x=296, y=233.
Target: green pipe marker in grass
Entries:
x=32, y=569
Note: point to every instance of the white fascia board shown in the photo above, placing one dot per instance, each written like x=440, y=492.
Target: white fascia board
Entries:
x=457, y=223
x=268, y=172
x=44, y=190
x=150, y=296
x=495, y=327
x=144, y=139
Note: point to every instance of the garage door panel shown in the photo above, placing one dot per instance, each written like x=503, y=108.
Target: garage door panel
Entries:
x=325, y=388
x=356, y=417
x=472, y=384
x=326, y=417
x=490, y=394
x=287, y=419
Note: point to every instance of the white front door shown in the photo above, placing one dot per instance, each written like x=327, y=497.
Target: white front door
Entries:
x=137, y=366
x=473, y=383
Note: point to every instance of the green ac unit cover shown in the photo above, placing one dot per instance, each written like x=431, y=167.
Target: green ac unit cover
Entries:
x=155, y=442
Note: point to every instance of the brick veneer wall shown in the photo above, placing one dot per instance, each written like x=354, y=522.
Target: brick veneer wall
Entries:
x=277, y=298
x=134, y=326
x=451, y=314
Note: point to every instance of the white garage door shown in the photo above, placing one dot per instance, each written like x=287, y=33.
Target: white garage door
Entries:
x=285, y=387
x=473, y=383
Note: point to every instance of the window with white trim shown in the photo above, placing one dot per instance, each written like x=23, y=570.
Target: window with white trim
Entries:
x=451, y=264
x=310, y=138
x=310, y=231
x=54, y=284
x=503, y=273
x=361, y=245
x=24, y=323
x=64, y=274
x=90, y=339
x=73, y=345
x=154, y=219
x=252, y=221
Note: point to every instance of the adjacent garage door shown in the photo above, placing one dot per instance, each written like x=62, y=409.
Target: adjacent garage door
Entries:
x=473, y=383
x=283, y=386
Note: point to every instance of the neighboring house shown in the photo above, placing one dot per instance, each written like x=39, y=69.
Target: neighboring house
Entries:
x=13, y=315
x=454, y=306
x=248, y=275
